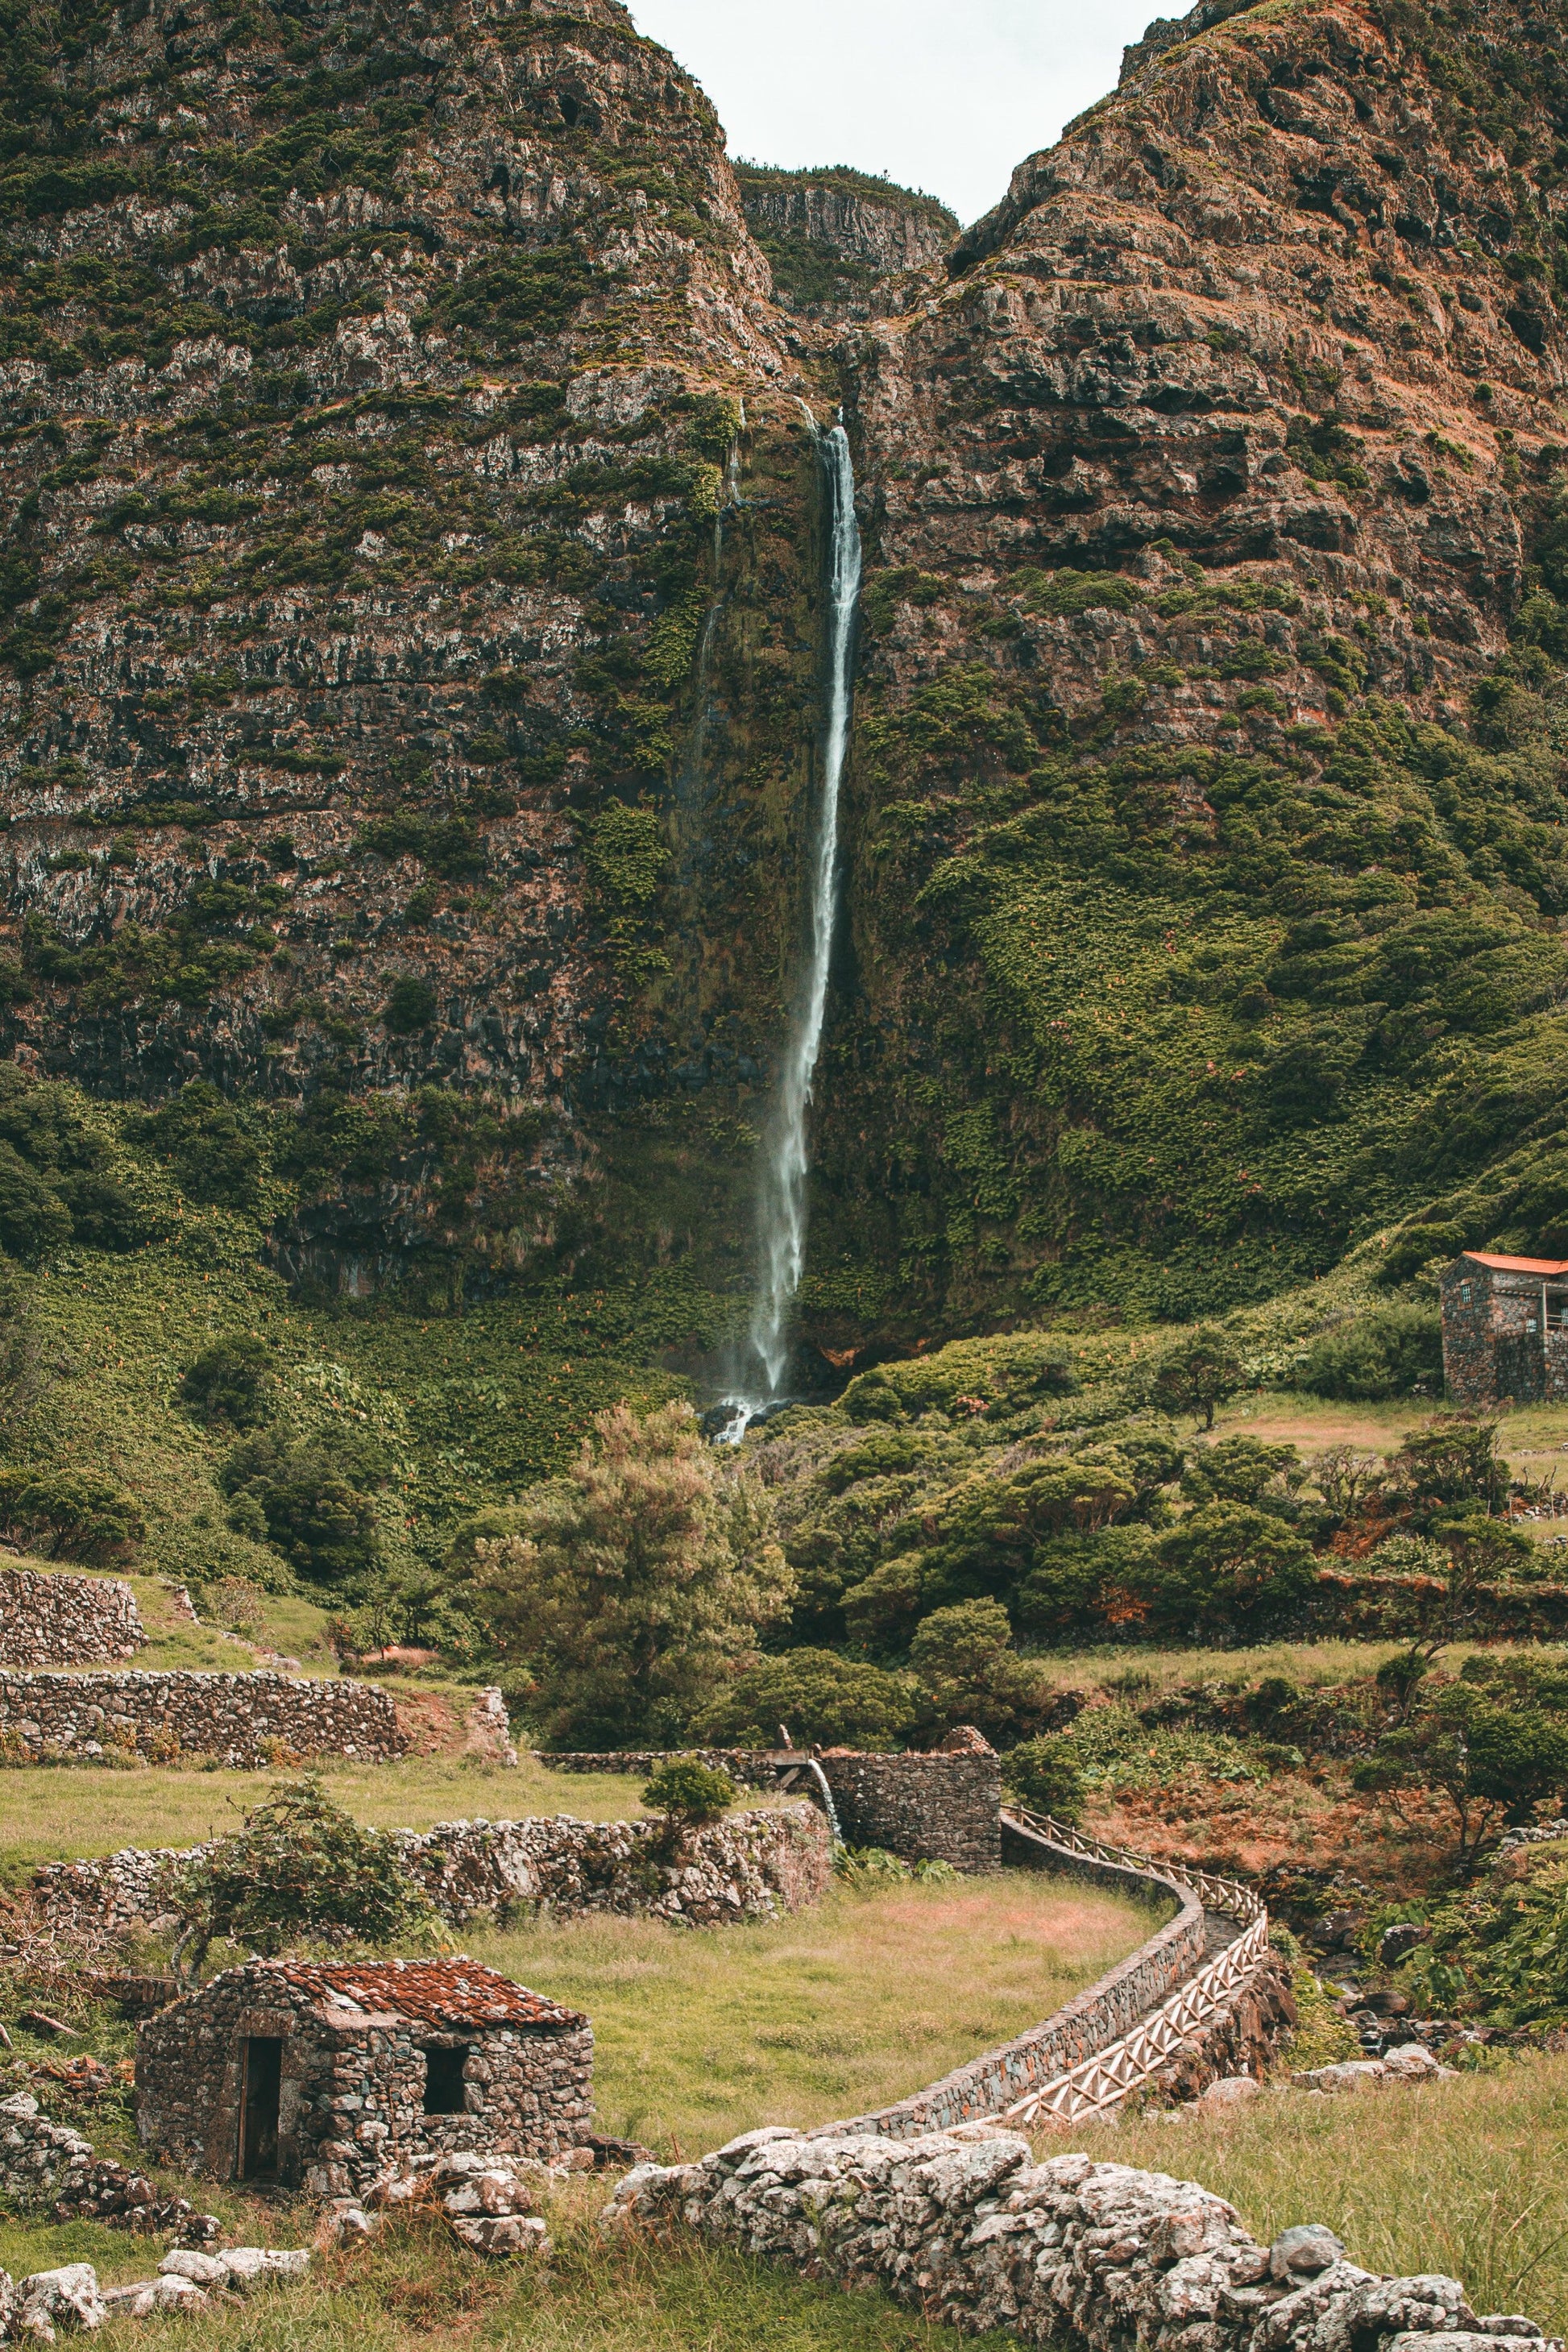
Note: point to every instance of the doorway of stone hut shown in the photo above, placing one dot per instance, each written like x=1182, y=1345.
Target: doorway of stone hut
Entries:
x=263, y=2060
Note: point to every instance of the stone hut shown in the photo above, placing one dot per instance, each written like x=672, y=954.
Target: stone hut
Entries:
x=322, y=2077
x=1505, y=1328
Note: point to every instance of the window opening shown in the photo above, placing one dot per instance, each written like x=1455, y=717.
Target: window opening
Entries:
x=444, y=2081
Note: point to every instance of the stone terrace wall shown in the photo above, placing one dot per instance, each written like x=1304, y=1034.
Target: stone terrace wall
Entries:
x=936, y=1807
x=1069, y=2252
x=752, y=1865
x=66, y=1621
x=242, y=1720
x=940, y=1808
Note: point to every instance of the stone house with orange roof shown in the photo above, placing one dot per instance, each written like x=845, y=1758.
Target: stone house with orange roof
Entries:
x=322, y=2077
x=1505, y=1329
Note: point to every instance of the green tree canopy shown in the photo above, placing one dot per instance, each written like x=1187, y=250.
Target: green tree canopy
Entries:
x=636, y=1585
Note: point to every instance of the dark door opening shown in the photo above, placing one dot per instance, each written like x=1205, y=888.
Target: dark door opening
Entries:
x=263, y=2060
x=444, y=2081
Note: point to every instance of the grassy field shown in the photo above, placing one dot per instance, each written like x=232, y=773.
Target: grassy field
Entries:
x=862, y=2000
x=1466, y=2177
x=50, y=1813
x=416, y=2285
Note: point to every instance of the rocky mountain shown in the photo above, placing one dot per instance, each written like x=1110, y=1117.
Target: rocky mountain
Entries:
x=412, y=580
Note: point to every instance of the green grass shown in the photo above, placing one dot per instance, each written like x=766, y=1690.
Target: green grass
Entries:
x=1466, y=2177
x=859, y=2001
x=415, y=2283
x=50, y=1813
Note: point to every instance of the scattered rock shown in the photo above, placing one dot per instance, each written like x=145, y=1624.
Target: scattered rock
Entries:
x=1230, y=2092
x=505, y=2235
x=1400, y=1937
x=1303, y=2251
x=250, y=2266
x=188, y=2262
x=170, y=2292
x=66, y=2298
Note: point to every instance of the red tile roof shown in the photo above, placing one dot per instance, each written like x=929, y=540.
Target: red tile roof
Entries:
x=1547, y=1265
x=432, y=1993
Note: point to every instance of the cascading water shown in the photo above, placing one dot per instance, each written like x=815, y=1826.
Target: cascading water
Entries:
x=785, y=1164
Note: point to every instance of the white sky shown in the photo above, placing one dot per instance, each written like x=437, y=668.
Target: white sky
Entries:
x=944, y=95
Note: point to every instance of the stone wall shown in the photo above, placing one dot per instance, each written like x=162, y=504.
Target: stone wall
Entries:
x=940, y=1808
x=752, y=1865
x=48, y=2167
x=242, y=1720
x=66, y=1621
x=936, y=1807
x=749, y=1767
x=965, y=2227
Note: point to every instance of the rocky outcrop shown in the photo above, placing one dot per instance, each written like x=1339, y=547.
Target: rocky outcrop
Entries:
x=967, y=2230
x=842, y=245
x=66, y=1621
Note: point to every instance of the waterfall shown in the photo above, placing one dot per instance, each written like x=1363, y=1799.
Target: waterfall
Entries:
x=785, y=1164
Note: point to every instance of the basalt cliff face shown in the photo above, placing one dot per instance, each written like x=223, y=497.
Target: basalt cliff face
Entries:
x=413, y=584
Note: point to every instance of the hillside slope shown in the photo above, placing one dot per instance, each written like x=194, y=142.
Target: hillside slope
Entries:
x=1209, y=866
x=409, y=688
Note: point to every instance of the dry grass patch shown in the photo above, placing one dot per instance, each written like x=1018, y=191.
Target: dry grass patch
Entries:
x=859, y=2001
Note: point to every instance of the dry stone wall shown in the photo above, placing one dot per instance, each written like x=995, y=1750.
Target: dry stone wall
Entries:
x=752, y=1865
x=244, y=1720
x=966, y=2228
x=48, y=2167
x=66, y=1621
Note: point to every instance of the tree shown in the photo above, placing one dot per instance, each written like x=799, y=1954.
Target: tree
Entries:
x=637, y=1583
x=1448, y=1461
x=1492, y=1761
x=963, y=1656
x=298, y=1866
x=1198, y=1375
x=77, y=1514
x=820, y=1698
x=298, y=1497
x=211, y=1153
x=229, y=1383
x=1240, y=1470
x=1227, y=1567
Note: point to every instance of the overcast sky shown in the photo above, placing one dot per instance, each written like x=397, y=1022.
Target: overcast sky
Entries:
x=944, y=95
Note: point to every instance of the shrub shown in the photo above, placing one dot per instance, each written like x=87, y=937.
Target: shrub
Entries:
x=410, y=1006
x=1415, y=1245
x=229, y=1383
x=78, y=1514
x=1045, y=1773
x=212, y=1155
x=298, y=1867
x=1394, y=1351
x=689, y=1793
x=822, y=1700
x=1226, y=1568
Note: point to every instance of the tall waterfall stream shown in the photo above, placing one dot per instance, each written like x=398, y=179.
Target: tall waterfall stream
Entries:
x=785, y=1161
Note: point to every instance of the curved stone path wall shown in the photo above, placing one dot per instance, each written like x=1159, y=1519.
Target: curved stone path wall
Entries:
x=963, y=2225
